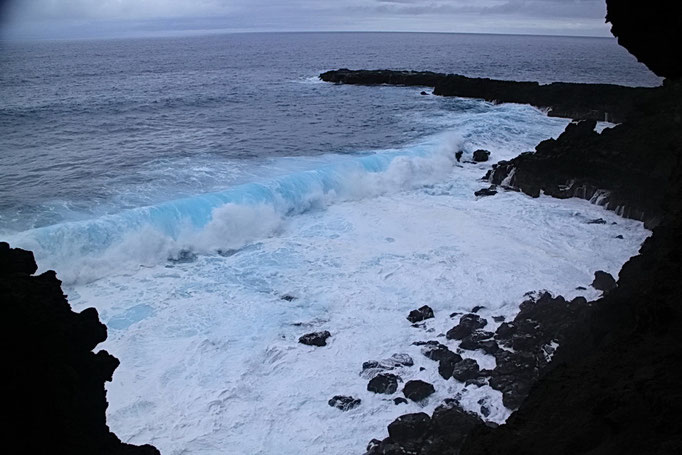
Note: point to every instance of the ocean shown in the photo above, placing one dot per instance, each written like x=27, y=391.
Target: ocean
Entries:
x=183, y=186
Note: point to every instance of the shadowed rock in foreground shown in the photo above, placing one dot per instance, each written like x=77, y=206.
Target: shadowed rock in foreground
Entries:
x=55, y=400
x=572, y=100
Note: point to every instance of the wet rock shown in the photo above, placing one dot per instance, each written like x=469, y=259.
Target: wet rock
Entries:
x=490, y=191
x=465, y=370
x=315, y=338
x=288, y=297
x=581, y=288
x=385, y=383
x=472, y=342
x=467, y=324
x=477, y=308
x=400, y=400
x=603, y=281
x=498, y=318
x=417, y=390
x=446, y=365
x=423, y=93
x=421, y=314
x=619, y=236
x=436, y=351
x=344, y=403
x=458, y=155
x=597, y=221
x=372, y=367
x=409, y=428
x=481, y=155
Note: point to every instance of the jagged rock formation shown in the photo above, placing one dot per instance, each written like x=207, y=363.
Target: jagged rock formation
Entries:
x=577, y=101
x=622, y=366
x=55, y=400
x=625, y=168
x=651, y=31
x=613, y=385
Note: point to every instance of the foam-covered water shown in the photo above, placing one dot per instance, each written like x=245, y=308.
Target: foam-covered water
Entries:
x=186, y=193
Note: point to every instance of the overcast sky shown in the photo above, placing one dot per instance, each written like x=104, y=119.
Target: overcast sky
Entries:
x=104, y=18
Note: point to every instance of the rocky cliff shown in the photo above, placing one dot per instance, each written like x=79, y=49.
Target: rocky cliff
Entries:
x=55, y=399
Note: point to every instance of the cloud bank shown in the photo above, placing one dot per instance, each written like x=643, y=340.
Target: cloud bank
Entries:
x=84, y=18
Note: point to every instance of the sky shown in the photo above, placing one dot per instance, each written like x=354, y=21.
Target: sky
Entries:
x=58, y=19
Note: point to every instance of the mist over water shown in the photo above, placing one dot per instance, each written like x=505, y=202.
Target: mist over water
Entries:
x=183, y=186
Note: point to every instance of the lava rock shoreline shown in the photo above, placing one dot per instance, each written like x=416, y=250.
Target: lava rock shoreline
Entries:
x=600, y=102
x=613, y=384
x=55, y=401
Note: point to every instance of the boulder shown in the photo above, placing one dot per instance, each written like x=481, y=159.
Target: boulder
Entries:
x=467, y=324
x=458, y=155
x=344, y=403
x=409, y=427
x=603, y=281
x=385, y=383
x=466, y=370
x=372, y=367
x=420, y=314
x=417, y=390
x=481, y=155
x=315, y=338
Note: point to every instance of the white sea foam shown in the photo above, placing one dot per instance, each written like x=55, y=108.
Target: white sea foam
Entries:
x=210, y=362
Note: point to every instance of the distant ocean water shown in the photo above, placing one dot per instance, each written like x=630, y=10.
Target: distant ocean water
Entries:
x=183, y=185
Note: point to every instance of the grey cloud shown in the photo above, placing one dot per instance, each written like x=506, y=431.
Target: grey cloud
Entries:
x=497, y=16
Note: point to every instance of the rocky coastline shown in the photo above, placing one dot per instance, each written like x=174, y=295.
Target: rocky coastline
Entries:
x=56, y=401
x=612, y=385
x=600, y=102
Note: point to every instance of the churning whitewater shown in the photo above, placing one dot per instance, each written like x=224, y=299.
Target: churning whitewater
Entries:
x=191, y=289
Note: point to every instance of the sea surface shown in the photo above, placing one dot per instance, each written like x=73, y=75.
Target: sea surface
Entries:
x=183, y=186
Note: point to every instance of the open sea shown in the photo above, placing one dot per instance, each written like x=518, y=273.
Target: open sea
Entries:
x=183, y=186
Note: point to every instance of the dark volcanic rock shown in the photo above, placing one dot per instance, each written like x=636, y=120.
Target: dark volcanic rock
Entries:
x=465, y=370
x=467, y=324
x=442, y=434
x=386, y=383
x=400, y=400
x=578, y=101
x=344, y=403
x=458, y=155
x=542, y=321
x=315, y=338
x=606, y=169
x=409, y=427
x=421, y=314
x=651, y=31
x=436, y=351
x=603, y=281
x=417, y=390
x=481, y=155
x=372, y=367
x=490, y=191
x=54, y=384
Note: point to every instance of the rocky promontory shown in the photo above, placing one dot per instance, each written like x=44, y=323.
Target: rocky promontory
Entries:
x=598, y=102
x=55, y=397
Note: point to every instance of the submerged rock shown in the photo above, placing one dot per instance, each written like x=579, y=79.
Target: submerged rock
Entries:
x=344, y=403
x=481, y=155
x=315, y=338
